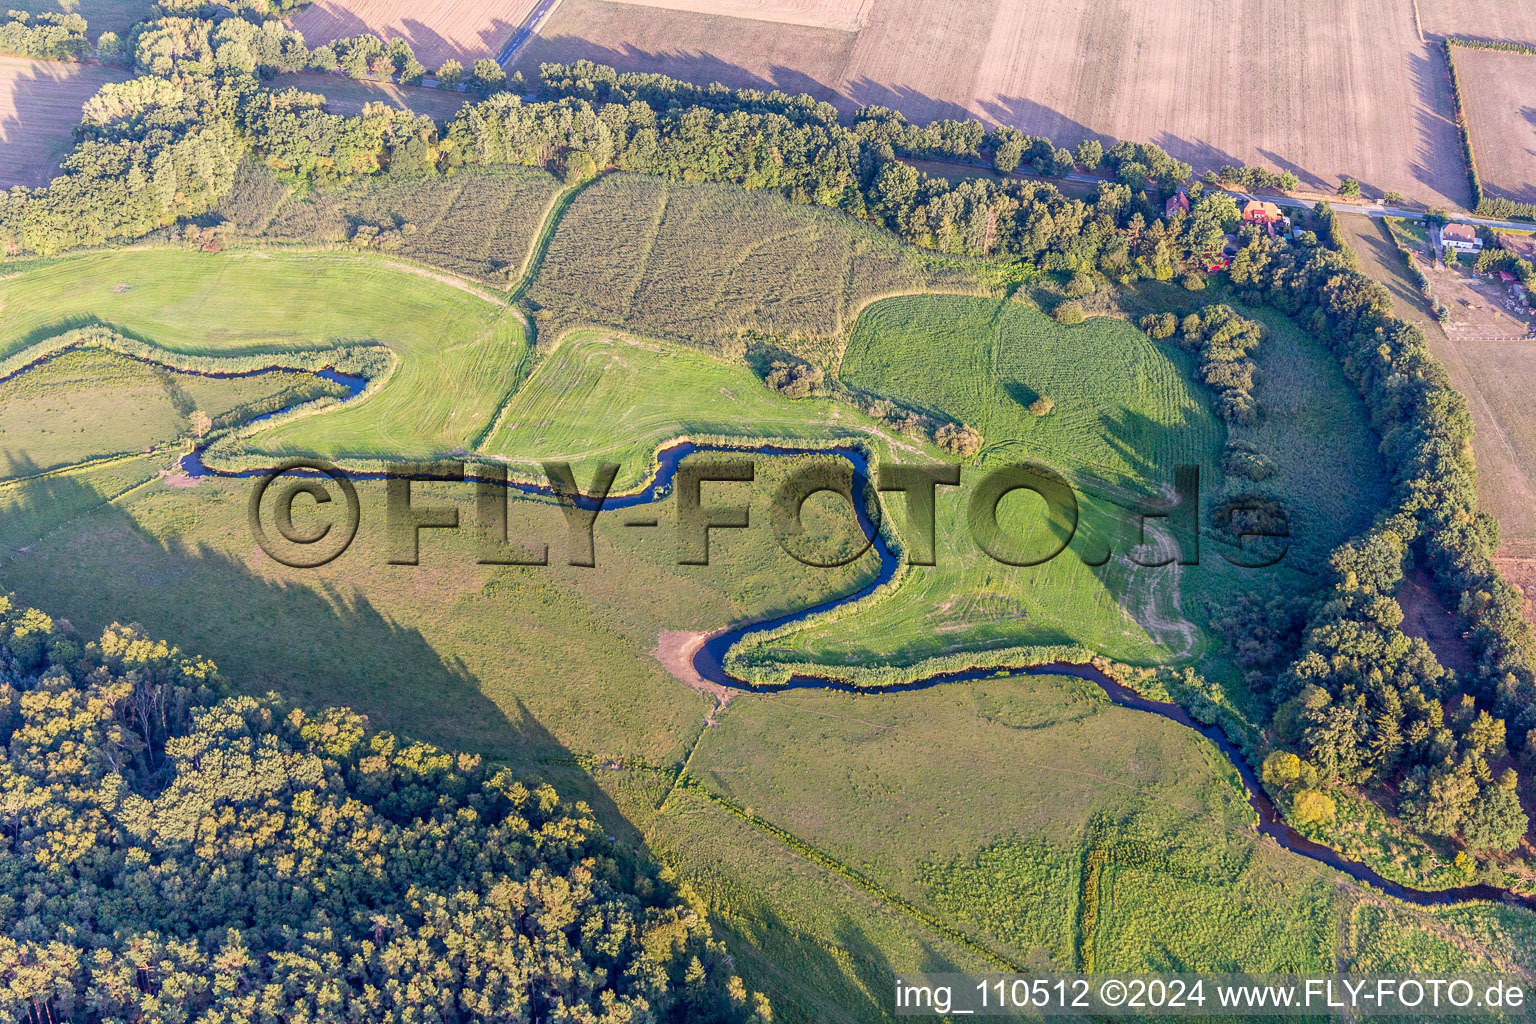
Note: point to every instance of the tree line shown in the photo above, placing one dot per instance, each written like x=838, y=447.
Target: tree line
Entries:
x=43, y=36
x=1358, y=700
x=175, y=852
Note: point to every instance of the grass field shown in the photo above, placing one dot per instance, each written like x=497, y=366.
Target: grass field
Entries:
x=1347, y=89
x=460, y=29
x=711, y=265
x=53, y=414
x=1499, y=92
x=480, y=223
x=39, y=107
x=458, y=351
x=1125, y=415
x=606, y=397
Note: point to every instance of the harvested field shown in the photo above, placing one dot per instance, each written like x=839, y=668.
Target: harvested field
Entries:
x=1480, y=19
x=740, y=52
x=464, y=30
x=1336, y=89
x=845, y=15
x=348, y=95
x=39, y=108
x=1499, y=91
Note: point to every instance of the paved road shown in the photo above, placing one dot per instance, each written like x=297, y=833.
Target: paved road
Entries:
x=525, y=31
x=1340, y=206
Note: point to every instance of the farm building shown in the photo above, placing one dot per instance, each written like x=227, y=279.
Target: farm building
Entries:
x=1461, y=237
x=1260, y=212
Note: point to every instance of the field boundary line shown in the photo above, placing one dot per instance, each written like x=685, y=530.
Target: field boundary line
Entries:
x=538, y=248
x=857, y=878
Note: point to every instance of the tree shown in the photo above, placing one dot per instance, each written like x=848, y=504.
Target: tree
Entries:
x=1089, y=153
x=201, y=422
x=1041, y=406
x=1313, y=807
x=1394, y=199
x=1349, y=186
x=1007, y=149
x=1288, y=181
x=1070, y=312
x=450, y=75
x=1495, y=820
x=486, y=76
x=1281, y=769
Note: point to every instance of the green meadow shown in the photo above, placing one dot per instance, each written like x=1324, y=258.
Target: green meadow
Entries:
x=457, y=349
x=1018, y=823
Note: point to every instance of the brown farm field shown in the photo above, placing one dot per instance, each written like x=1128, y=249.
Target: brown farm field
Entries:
x=1499, y=91
x=465, y=30
x=1323, y=90
x=39, y=107
x=1480, y=19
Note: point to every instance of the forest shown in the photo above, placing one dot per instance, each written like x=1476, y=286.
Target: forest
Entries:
x=178, y=852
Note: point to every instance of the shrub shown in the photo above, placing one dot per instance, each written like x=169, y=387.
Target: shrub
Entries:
x=1159, y=325
x=1193, y=282
x=1070, y=312
x=958, y=439
x=1313, y=807
x=795, y=379
x=450, y=75
x=1081, y=286
x=1240, y=458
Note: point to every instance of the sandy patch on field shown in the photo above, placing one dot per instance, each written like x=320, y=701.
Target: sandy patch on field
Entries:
x=675, y=649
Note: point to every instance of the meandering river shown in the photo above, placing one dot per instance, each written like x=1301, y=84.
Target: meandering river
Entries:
x=709, y=661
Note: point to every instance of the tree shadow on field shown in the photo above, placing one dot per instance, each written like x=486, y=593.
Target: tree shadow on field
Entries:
x=1438, y=134
x=92, y=563
x=690, y=65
